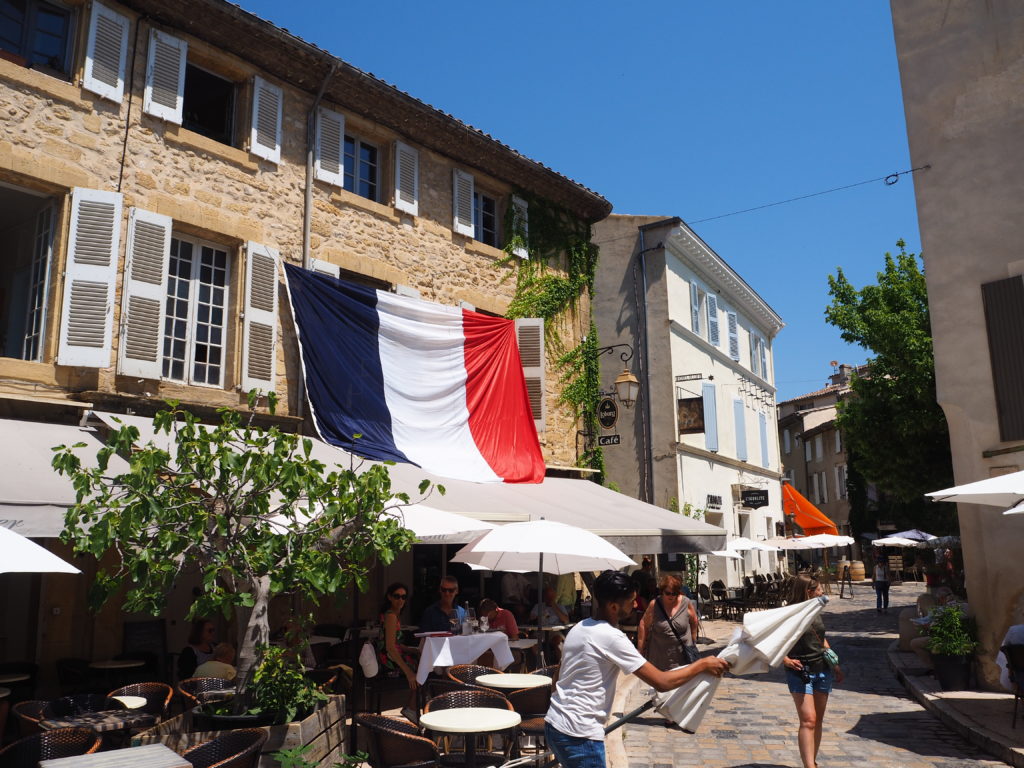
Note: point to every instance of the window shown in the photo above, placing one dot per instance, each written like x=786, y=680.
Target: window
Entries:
x=27, y=221
x=758, y=356
x=814, y=488
x=698, y=309
x=485, y=219
x=823, y=487
x=38, y=32
x=362, y=172
x=841, y=481
x=839, y=442
x=209, y=105
x=807, y=450
x=819, y=447
x=786, y=445
x=195, y=323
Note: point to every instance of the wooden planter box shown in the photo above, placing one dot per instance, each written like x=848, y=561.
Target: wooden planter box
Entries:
x=324, y=729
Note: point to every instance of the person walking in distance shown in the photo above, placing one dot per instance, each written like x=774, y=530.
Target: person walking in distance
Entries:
x=881, y=578
x=810, y=675
x=594, y=653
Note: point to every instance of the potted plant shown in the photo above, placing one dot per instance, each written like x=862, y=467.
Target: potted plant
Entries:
x=952, y=640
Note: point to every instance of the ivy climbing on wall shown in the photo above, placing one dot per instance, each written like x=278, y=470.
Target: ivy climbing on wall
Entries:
x=550, y=284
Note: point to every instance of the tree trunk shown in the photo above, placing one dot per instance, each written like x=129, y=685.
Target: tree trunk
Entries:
x=255, y=633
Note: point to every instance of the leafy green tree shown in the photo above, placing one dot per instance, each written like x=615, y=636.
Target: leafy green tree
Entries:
x=248, y=508
x=891, y=422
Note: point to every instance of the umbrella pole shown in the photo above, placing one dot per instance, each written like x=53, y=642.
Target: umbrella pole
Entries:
x=629, y=716
x=444, y=561
x=540, y=609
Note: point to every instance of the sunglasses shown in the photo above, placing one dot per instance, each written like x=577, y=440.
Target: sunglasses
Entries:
x=400, y=595
x=451, y=590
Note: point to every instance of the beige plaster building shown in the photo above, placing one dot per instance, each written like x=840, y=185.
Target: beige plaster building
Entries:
x=157, y=163
x=962, y=70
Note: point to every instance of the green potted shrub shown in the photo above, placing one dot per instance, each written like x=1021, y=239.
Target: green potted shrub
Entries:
x=952, y=640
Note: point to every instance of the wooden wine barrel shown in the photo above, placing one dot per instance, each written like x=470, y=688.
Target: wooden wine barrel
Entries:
x=857, y=570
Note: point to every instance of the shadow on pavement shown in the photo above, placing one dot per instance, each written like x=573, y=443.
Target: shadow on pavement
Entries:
x=905, y=730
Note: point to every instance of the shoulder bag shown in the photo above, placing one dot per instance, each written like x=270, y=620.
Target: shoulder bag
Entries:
x=692, y=654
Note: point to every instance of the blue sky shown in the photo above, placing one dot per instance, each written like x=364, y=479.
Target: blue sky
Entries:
x=678, y=108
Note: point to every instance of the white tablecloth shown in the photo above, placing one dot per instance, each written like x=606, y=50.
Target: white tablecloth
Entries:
x=462, y=649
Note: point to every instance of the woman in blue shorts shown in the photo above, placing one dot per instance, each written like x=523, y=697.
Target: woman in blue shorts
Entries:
x=809, y=676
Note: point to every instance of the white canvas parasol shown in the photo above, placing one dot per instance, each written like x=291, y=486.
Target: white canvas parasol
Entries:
x=743, y=544
x=19, y=555
x=895, y=541
x=1002, y=491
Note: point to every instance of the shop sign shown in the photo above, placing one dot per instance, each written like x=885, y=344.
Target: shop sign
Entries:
x=607, y=439
x=754, y=499
x=607, y=413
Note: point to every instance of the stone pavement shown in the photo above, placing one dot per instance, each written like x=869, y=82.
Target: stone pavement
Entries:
x=871, y=721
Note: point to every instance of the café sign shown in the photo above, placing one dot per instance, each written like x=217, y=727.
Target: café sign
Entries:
x=607, y=413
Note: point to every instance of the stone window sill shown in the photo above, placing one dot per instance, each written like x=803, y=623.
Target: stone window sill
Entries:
x=352, y=200
x=175, y=134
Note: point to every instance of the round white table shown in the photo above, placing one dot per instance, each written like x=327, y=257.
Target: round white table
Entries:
x=513, y=681
x=118, y=664
x=15, y=677
x=5, y=692
x=131, y=702
x=470, y=720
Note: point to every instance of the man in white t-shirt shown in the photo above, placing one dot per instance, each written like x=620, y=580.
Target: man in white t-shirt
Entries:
x=595, y=651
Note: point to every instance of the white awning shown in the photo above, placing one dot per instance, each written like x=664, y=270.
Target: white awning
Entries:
x=33, y=497
x=633, y=526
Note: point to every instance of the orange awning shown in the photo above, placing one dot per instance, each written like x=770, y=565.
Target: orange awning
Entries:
x=805, y=514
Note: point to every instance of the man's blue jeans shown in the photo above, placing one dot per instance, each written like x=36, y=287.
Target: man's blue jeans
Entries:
x=574, y=752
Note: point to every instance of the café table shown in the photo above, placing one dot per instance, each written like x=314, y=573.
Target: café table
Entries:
x=102, y=721
x=513, y=681
x=5, y=692
x=149, y=756
x=446, y=651
x=110, y=668
x=131, y=702
x=470, y=721
x=15, y=677
x=547, y=627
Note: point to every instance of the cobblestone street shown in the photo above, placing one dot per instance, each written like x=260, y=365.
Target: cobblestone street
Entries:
x=752, y=722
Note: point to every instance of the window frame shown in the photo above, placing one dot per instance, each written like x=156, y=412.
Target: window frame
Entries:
x=351, y=169
x=230, y=260
x=24, y=51
x=234, y=139
x=479, y=195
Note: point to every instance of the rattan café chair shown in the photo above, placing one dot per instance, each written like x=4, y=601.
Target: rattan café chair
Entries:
x=232, y=749
x=157, y=695
x=193, y=689
x=49, y=745
x=468, y=673
x=394, y=741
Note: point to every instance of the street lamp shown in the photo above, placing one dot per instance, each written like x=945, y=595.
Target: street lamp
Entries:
x=627, y=386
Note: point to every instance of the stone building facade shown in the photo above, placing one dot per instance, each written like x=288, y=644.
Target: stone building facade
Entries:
x=157, y=163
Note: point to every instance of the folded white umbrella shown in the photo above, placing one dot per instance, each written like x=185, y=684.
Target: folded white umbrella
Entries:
x=762, y=643
x=1002, y=491
x=916, y=534
x=20, y=555
x=742, y=544
x=436, y=526
x=895, y=541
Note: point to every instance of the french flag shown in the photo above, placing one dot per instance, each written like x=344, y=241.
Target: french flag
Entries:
x=396, y=378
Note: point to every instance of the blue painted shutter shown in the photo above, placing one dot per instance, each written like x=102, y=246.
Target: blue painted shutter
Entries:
x=763, y=424
x=741, y=429
x=710, y=417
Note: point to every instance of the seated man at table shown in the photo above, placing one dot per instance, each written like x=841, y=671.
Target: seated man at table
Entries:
x=595, y=652
x=503, y=621
x=436, y=618
x=552, y=614
x=221, y=665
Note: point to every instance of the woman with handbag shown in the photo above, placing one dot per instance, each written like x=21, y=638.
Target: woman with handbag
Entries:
x=812, y=667
x=669, y=625
x=396, y=658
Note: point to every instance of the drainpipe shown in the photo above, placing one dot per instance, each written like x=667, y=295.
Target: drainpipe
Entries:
x=644, y=359
x=307, y=210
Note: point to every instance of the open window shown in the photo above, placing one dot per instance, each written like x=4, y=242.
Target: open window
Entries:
x=38, y=34
x=27, y=221
x=209, y=105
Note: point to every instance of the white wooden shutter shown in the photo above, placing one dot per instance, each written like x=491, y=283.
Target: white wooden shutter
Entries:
x=265, y=136
x=462, y=202
x=325, y=267
x=165, y=77
x=329, y=164
x=739, y=415
x=521, y=227
x=710, y=417
x=823, y=487
x=407, y=290
x=734, y=335
x=259, y=343
x=530, y=336
x=106, y=53
x=763, y=350
x=839, y=441
x=814, y=488
x=754, y=359
x=713, y=335
x=87, y=311
x=144, y=294
x=762, y=423
x=694, y=309
x=407, y=179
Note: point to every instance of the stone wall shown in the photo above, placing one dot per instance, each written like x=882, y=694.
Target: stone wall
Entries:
x=55, y=136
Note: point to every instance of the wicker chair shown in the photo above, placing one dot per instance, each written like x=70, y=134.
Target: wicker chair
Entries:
x=157, y=695
x=193, y=689
x=323, y=679
x=49, y=745
x=74, y=675
x=532, y=705
x=79, y=704
x=468, y=673
x=232, y=749
x=551, y=670
x=394, y=741
x=29, y=713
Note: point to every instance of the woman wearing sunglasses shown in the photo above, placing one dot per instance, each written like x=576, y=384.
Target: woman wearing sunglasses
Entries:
x=394, y=656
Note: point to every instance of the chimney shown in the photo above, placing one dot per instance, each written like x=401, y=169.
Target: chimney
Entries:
x=841, y=378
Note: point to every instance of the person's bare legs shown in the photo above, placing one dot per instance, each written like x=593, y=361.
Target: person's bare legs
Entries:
x=820, y=703
x=807, y=736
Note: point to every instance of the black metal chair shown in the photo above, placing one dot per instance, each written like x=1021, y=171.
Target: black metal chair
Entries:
x=1015, y=666
x=394, y=741
x=232, y=749
x=79, y=704
x=157, y=695
x=49, y=745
